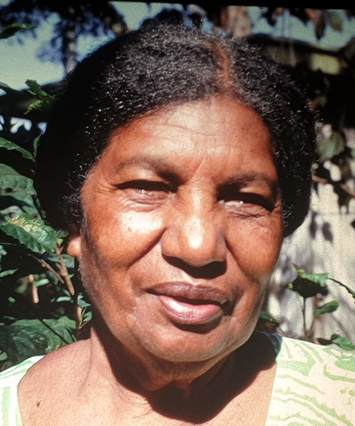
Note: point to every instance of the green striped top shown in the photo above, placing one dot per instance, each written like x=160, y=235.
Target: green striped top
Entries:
x=9, y=379
x=314, y=386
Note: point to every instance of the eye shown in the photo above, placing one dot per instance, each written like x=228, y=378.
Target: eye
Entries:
x=145, y=190
x=244, y=203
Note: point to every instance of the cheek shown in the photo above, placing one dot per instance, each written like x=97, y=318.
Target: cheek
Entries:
x=255, y=247
x=119, y=238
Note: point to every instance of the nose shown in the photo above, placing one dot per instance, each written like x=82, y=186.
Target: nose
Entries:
x=195, y=236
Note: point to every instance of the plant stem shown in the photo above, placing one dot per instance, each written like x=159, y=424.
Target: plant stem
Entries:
x=53, y=331
x=47, y=266
x=305, y=332
x=32, y=309
x=348, y=289
x=63, y=271
x=34, y=289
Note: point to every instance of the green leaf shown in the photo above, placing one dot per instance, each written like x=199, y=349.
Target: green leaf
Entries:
x=35, y=89
x=44, y=100
x=36, y=105
x=10, y=146
x=320, y=278
x=25, y=338
x=41, y=282
x=268, y=318
x=12, y=29
x=36, y=143
x=60, y=299
x=7, y=273
x=31, y=233
x=342, y=342
x=23, y=237
x=309, y=285
x=332, y=146
x=3, y=252
x=327, y=308
x=12, y=181
x=82, y=302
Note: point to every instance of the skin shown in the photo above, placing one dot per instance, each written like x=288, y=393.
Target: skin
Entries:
x=190, y=194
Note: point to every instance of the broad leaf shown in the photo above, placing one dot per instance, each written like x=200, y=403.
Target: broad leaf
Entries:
x=327, y=308
x=37, y=105
x=320, y=278
x=30, y=232
x=332, y=146
x=44, y=100
x=35, y=89
x=309, y=285
x=342, y=342
x=12, y=181
x=10, y=146
x=7, y=273
x=25, y=338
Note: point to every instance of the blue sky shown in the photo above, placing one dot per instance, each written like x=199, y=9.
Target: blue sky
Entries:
x=19, y=61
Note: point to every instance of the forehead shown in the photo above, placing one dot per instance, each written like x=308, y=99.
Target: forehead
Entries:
x=218, y=132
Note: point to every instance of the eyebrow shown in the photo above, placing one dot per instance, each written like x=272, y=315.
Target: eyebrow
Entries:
x=146, y=161
x=251, y=177
x=166, y=168
x=159, y=165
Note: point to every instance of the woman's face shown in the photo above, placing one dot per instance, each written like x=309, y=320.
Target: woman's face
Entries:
x=182, y=228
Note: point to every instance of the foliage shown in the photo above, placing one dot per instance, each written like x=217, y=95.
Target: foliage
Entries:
x=14, y=28
x=43, y=102
x=315, y=285
x=74, y=19
x=42, y=306
x=340, y=341
x=320, y=19
x=26, y=337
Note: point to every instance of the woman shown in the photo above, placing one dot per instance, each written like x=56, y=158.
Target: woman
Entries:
x=178, y=162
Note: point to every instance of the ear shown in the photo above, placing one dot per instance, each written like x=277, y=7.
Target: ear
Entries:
x=74, y=246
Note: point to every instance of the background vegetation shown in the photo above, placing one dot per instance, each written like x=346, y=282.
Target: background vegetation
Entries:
x=42, y=304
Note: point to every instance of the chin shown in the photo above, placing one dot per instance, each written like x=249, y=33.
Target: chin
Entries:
x=193, y=344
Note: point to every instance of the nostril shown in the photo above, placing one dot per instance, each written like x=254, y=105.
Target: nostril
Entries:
x=208, y=271
x=197, y=239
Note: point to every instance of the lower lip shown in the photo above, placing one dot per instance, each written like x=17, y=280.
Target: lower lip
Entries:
x=187, y=313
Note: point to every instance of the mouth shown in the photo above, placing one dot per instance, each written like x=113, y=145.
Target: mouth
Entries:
x=190, y=304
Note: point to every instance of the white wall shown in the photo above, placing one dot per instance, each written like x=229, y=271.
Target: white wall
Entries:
x=319, y=255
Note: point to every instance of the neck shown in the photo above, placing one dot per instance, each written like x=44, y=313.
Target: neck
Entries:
x=189, y=391
x=146, y=374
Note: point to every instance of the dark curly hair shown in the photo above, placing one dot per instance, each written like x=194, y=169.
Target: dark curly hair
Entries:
x=145, y=71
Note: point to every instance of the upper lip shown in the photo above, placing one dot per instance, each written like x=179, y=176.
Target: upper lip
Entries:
x=192, y=292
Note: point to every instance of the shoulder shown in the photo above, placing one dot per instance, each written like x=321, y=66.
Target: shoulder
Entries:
x=45, y=386
x=45, y=372
x=315, y=382
x=9, y=380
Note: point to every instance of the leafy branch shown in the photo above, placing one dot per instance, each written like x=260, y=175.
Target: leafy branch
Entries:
x=315, y=285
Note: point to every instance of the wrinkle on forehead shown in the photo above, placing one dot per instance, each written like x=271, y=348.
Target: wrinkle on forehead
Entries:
x=185, y=116
x=188, y=117
x=221, y=130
